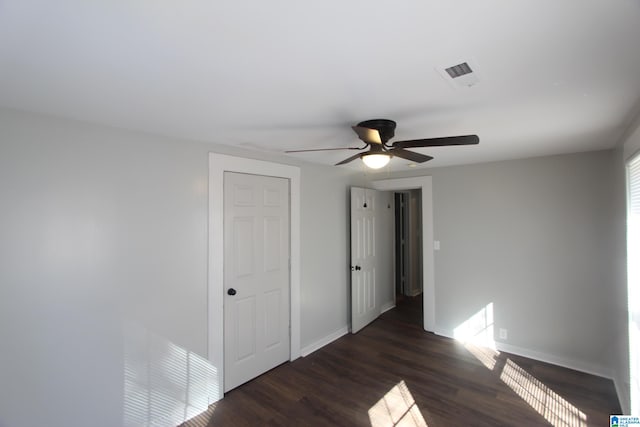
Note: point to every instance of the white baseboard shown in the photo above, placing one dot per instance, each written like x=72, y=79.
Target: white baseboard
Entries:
x=576, y=365
x=337, y=334
x=387, y=306
x=324, y=341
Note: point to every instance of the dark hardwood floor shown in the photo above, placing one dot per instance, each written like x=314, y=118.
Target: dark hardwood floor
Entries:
x=408, y=310
x=394, y=373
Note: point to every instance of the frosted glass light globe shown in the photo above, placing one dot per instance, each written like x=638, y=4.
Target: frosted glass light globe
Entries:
x=376, y=161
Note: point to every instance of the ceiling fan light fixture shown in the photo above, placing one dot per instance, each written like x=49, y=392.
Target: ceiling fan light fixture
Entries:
x=376, y=134
x=376, y=161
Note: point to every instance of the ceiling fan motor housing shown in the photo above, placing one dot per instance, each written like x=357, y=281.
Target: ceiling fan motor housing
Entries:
x=385, y=127
x=376, y=134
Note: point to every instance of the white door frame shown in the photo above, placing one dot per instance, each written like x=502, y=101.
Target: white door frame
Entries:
x=218, y=165
x=425, y=184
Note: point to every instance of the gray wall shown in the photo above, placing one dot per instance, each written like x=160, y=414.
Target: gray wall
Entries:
x=385, y=246
x=532, y=237
x=103, y=269
x=415, y=243
x=103, y=244
x=325, y=239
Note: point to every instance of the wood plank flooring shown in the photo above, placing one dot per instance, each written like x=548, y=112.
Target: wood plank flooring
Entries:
x=394, y=373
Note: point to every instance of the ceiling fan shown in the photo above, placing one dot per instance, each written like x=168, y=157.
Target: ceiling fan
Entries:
x=376, y=134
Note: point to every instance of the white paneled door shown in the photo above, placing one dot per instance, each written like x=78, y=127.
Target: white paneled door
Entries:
x=256, y=276
x=365, y=304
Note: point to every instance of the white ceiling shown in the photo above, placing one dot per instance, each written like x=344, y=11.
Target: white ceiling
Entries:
x=555, y=76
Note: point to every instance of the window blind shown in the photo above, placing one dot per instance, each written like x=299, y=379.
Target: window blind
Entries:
x=633, y=278
x=634, y=185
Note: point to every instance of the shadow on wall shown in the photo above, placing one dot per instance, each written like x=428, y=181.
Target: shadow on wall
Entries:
x=164, y=384
x=477, y=335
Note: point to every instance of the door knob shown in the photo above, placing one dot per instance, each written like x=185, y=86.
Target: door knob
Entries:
x=357, y=268
x=231, y=292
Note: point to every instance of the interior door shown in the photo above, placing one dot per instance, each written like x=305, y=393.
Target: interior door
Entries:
x=365, y=304
x=256, y=276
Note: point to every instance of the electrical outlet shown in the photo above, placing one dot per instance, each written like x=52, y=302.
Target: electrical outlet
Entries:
x=503, y=334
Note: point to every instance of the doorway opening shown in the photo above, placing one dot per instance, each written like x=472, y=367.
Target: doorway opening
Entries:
x=425, y=184
x=409, y=305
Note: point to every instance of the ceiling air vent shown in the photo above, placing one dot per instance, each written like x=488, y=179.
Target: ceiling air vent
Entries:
x=463, y=74
x=459, y=70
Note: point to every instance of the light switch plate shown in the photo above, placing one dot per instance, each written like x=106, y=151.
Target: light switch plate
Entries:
x=436, y=245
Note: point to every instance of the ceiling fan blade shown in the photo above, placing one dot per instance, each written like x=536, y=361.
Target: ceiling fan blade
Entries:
x=439, y=142
x=410, y=155
x=350, y=159
x=326, y=149
x=370, y=136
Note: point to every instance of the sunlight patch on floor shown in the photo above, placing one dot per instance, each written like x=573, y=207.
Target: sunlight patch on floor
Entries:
x=202, y=420
x=396, y=408
x=486, y=355
x=545, y=401
x=476, y=333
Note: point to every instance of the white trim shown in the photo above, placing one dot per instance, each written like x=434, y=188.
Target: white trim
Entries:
x=218, y=164
x=622, y=390
x=576, y=365
x=324, y=341
x=387, y=306
x=425, y=184
x=337, y=334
